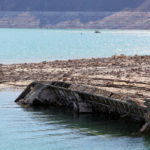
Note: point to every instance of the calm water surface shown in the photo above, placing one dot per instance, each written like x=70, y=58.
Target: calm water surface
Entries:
x=37, y=129
x=34, y=45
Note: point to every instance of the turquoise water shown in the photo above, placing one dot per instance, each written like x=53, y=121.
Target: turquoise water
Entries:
x=37, y=129
x=34, y=45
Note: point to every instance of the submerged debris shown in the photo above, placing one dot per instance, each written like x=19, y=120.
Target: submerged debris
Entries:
x=84, y=99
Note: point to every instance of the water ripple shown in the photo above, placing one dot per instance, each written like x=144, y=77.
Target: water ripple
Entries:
x=38, y=129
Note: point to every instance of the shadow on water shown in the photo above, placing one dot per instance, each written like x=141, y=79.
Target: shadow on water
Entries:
x=147, y=142
x=89, y=124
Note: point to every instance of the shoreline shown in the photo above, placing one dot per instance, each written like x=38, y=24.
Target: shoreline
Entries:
x=127, y=75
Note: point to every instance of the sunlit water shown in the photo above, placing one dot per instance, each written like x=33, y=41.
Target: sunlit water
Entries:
x=34, y=45
x=53, y=129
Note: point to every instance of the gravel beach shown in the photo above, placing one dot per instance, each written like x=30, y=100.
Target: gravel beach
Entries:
x=127, y=75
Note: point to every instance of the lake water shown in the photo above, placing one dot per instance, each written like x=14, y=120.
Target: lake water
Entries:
x=37, y=129
x=34, y=45
x=54, y=129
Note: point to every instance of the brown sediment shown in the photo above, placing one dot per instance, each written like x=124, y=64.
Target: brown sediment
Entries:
x=122, y=74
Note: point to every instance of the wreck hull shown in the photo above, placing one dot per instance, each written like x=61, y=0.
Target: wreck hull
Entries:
x=63, y=94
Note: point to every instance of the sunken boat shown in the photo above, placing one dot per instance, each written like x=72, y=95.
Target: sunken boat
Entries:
x=86, y=99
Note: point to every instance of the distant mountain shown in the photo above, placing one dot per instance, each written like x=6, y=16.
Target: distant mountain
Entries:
x=103, y=14
x=69, y=5
x=144, y=7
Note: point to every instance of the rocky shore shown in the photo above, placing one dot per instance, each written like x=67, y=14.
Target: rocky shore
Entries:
x=122, y=74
